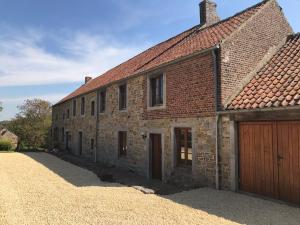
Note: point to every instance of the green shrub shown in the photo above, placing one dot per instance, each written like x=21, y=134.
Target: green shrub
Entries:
x=5, y=145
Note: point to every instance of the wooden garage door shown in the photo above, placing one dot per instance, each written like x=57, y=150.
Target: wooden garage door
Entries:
x=269, y=159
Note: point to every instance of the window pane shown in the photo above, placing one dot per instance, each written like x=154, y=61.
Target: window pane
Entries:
x=156, y=90
x=102, y=101
x=184, y=146
x=92, y=108
x=82, y=105
x=122, y=97
x=74, y=108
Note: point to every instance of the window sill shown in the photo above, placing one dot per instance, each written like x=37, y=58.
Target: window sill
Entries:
x=158, y=107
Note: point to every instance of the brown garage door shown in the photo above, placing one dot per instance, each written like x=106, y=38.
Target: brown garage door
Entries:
x=269, y=159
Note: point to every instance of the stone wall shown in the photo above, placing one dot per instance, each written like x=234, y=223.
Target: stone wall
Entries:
x=85, y=123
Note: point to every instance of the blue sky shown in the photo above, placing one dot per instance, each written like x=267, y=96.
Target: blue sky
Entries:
x=47, y=47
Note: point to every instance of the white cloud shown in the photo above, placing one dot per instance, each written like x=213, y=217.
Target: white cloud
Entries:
x=24, y=59
x=53, y=98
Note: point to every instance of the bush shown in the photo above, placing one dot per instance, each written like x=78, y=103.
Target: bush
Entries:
x=5, y=145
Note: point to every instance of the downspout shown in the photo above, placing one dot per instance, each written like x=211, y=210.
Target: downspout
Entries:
x=216, y=72
x=97, y=125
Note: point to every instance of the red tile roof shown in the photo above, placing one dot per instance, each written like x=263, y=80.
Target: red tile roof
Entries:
x=277, y=84
x=184, y=44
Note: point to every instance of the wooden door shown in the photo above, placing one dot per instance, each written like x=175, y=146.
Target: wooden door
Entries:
x=156, y=156
x=289, y=161
x=269, y=159
x=257, y=158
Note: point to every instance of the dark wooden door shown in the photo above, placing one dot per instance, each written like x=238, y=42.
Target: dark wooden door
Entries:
x=156, y=156
x=269, y=159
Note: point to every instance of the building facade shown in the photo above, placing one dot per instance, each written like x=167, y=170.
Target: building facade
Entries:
x=159, y=114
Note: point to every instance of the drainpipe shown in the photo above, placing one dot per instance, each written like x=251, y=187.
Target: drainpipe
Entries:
x=216, y=72
x=97, y=126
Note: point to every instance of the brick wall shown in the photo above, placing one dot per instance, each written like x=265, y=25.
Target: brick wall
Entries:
x=189, y=89
x=242, y=52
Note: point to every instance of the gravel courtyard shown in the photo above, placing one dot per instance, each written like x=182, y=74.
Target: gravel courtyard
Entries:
x=37, y=189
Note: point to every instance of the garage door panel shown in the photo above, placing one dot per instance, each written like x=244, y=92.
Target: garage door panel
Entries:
x=270, y=159
x=256, y=158
x=288, y=143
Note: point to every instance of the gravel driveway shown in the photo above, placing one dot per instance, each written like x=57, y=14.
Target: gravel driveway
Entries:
x=37, y=189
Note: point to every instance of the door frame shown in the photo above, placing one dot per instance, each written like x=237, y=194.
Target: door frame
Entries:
x=148, y=152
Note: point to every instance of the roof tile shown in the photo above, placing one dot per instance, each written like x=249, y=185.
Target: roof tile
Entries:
x=186, y=43
x=283, y=71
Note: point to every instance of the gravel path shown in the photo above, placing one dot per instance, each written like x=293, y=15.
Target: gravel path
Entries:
x=38, y=189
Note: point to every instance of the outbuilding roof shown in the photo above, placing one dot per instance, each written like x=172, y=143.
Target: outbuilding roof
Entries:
x=277, y=84
x=189, y=42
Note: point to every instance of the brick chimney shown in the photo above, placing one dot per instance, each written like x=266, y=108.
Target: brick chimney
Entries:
x=208, y=13
x=87, y=79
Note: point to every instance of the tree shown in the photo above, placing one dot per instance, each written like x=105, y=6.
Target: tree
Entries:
x=1, y=107
x=32, y=123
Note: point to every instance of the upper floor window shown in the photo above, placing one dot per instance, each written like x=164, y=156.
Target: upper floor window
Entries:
x=122, y=97
x=102, y=101
x=157, y=90
x=74, y=107
x=68, y=114
x=122, y=136
x=64, y=115
x=56, y=117
x=82, y=106
x=92, y=108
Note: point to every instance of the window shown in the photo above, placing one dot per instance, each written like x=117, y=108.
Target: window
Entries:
x=82, y=106
x=184, y=146
x=74, y=108
x=102, y=101
x=92, y=144
x=156, y=91
x=122, y=143
x=64, y=115
x=62, y=134
x=68, y=114
x=92, y=108
x=122, y=97
x=56, y=117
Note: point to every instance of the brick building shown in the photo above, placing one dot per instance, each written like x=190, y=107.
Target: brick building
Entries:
x=169, y=112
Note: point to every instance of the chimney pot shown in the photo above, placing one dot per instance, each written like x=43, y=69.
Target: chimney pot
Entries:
x=208, y=13
x=87, y=79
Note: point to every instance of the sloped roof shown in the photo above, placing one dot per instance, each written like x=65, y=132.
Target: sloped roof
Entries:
x=184, y=44
x=277, y=84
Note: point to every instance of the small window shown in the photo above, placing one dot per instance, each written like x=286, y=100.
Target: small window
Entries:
x=184, y=146
x=64, y=115
x=74, y=108
x=122, y=143
x=68, y=114
x=157, y=91
x=92, y=108
x=92, y=144
x=122, y=97
x=82, y=108
x=102, y=101
x=56, y=117
x=62, y=134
